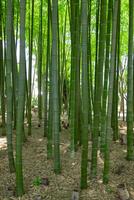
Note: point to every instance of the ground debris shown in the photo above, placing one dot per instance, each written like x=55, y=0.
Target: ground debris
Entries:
x=75, y=195
x=122, y=192
x=35, y=164
x=37, y=197
x=45, y=181
x=120, y=169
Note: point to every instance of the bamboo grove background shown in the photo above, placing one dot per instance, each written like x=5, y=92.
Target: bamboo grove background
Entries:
x=67, y=57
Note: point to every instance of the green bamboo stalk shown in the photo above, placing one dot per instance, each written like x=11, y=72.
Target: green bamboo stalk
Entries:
x=14, y=69
x=55, y=91
x=105, y=86
x=98, y=4
x=130, y=136
x=99, y=87
x=74, y=77
x=46, y=72
x=2, y=72
x=84, y=95
x=9, y=87
x=30, y=70
x=116, y=83
x=90, y=74
x=21, y=103
x=110, y=96
x=40, y=66
x=49, y=69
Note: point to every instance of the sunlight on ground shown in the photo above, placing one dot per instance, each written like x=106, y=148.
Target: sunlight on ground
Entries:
x=3, y=143
x=100, y=181
x=40, y=140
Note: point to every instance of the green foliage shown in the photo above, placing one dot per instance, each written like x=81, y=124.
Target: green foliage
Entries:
x=109, y=189
x=37, y=181
x=34, y=101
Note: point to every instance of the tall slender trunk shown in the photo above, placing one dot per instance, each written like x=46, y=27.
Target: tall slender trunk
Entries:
x=90, y=71
x=130, y=136
x=99, y=86
x=55, y=92
x=77, y=81
x=84, y=95
x=17, y=23
x=40, y=66
x=21, y=102
x=63, y=61
x=2, y=72
x=14, y=68
x=116, y=82
x=110, y=96
x=106, y=73
x=75, y=73
x=9, y=87
x=98, y=4
x=30, y=70
x=46, y=72
x=49, y=69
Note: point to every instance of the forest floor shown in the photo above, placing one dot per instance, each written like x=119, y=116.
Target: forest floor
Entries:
x=36, y=166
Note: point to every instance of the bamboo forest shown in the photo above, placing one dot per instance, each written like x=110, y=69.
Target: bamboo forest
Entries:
x=66, y=99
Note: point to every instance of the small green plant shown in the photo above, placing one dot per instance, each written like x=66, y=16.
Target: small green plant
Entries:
x=37, y=181
x=109, y=189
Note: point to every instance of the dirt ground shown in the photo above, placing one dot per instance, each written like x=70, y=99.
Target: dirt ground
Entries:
x=60, y=187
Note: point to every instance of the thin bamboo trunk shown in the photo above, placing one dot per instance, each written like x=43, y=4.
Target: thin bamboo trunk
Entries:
x=21, y=103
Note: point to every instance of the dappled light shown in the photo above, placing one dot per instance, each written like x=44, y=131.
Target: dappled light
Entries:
x=3, y=143
x=40, y=140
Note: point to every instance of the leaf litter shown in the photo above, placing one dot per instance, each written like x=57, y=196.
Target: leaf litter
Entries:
x=62, y=187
